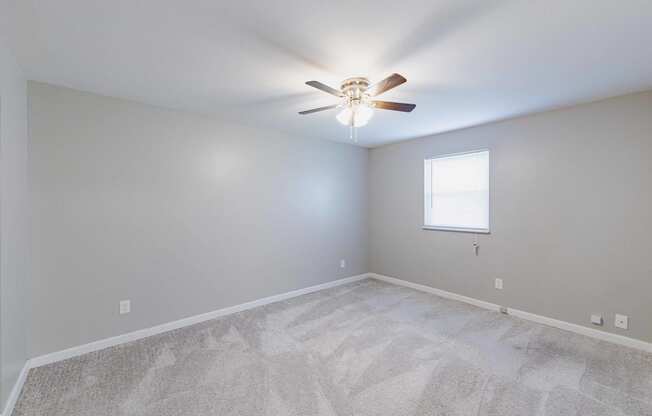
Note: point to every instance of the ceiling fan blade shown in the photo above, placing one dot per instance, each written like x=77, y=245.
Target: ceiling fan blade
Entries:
x=388, y=83
x=389, y=105
x=314, y=110
x=325, y=88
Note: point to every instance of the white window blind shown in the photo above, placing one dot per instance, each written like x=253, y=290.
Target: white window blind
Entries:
x=456, y=194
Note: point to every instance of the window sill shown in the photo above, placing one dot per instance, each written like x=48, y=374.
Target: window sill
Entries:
x=458, y=230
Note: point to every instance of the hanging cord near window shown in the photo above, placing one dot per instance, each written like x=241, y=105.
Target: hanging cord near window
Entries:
x=476, y=244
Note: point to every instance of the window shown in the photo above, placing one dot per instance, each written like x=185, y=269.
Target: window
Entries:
x=456, y=192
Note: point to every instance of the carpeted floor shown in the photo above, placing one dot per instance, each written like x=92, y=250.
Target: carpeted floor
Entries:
x=368, y=348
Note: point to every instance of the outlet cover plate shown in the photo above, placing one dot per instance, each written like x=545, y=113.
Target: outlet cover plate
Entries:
x=621, y=321
x=125, y=306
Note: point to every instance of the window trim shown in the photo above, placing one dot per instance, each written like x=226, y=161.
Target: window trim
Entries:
x=490, y=208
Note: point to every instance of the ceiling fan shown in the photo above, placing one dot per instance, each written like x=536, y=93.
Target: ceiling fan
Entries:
x=356, y=99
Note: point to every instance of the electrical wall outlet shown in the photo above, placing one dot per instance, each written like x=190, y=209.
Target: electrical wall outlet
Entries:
x=621, y=321
x=499, y=284
x=597, y=320
x=125, y=306
x=342, y=264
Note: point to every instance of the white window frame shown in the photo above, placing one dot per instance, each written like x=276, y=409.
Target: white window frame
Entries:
x=427, y=189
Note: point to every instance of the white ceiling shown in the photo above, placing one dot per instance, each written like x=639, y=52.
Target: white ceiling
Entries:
x=467, y=62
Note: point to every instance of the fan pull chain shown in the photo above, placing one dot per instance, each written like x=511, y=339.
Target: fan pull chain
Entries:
x=353, y=133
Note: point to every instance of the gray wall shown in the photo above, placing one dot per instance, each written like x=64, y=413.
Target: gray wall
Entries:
x=572, y=218
x=180, y=213
x=184, y=214
x=13, y=222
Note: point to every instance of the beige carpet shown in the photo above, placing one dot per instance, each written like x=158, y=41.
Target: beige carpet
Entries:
x=368, y=348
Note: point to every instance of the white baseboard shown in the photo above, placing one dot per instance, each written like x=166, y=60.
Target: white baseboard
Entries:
x=434, y=291
x=169, y=326
x=567, y=326
x=15, y=391
x=583, y=330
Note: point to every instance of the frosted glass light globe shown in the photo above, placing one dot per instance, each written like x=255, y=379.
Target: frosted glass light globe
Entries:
x=356, y=115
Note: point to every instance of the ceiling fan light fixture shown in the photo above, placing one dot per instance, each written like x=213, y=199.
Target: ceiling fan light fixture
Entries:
x=357, y=100
x=355, y=115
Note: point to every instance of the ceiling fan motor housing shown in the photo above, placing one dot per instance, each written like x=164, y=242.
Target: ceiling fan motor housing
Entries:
x=354, y=88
